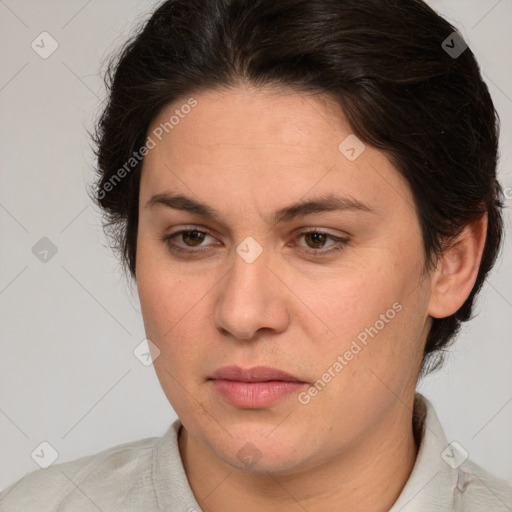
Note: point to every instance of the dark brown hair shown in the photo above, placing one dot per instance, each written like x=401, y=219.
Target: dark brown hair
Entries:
x=383, y=62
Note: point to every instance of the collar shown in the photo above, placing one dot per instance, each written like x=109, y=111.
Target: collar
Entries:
x=433, y=480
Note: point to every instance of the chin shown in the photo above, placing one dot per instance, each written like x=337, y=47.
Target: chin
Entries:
x=264, y=449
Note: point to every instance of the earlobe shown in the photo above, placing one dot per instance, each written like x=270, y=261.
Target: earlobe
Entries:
x=457, y=269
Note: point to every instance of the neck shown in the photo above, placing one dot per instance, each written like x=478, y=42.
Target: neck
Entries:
x=369, y=476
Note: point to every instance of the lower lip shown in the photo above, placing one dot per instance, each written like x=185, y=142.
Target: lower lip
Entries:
x=255, y=395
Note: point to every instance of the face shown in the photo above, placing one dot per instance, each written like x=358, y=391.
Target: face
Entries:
x=335, y=296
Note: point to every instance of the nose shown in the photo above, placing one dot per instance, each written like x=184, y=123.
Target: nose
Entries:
x=251, y=298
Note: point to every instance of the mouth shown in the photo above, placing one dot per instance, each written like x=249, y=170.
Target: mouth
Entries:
x=254, y=388
x=255, y=374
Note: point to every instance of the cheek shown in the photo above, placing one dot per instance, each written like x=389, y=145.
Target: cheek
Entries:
x=350, y=303
x=380, y=355
x=376, y=317
x=173, y=302
x=167, y=305
x=161, y=295
x=160, y=287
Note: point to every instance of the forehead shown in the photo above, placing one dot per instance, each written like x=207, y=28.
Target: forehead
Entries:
x=247, y=118
x=239, y=142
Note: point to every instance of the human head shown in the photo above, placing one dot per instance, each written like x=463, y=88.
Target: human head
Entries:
x=382, y=62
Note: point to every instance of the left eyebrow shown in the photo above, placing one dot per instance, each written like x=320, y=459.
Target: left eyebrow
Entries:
x=325, y=203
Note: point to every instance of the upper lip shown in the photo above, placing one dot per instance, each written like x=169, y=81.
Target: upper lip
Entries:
x=254, y=374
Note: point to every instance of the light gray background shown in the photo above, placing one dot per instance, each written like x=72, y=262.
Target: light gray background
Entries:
x=68, y=327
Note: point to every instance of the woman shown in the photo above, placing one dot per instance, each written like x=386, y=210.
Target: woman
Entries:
x=305, y=193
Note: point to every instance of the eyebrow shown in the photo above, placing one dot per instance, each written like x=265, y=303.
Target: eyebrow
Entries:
x=325, y=203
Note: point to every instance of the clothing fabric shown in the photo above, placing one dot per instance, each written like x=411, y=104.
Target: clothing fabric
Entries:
x=148, y=475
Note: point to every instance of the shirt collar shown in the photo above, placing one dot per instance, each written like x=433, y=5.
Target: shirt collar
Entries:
x=432, y=481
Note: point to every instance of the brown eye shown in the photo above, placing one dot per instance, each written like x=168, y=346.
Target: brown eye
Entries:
x=315, y=241
x=186, y=240
x=192, y=238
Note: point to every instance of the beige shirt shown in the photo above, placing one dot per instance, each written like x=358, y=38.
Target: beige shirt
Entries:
x=148, y=475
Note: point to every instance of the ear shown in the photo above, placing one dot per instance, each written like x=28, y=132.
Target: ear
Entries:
x=457, y=269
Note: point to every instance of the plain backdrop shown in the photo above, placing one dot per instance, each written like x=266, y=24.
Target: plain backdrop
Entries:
x=68, y=375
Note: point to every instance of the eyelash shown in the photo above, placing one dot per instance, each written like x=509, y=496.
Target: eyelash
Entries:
x=341, y=242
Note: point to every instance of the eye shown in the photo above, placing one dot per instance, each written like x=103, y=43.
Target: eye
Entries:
x=194, y=237
x=191, y=237
x=317, y=237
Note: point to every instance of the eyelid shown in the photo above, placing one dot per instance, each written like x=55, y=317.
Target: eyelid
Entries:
x=213, y=233
x=323, y=231
x=339, y=240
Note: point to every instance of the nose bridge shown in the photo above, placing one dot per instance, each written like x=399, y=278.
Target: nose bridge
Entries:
x=248, y=300
x=245, y=287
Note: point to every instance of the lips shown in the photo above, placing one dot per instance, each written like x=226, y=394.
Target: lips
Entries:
x=255, y=388
x=255, y=374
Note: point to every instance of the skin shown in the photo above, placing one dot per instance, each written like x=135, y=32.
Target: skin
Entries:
x=247, y=152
